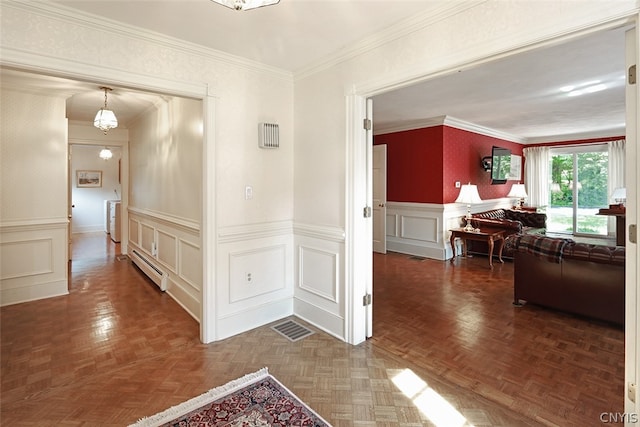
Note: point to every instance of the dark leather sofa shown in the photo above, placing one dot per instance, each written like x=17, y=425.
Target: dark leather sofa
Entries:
x=578, y=278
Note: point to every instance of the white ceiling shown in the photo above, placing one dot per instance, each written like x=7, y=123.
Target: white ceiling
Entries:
x=518, y=96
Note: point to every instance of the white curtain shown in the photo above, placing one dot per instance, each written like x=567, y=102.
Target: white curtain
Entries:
x=536, y=175
x=616, y=164
x=616, y=174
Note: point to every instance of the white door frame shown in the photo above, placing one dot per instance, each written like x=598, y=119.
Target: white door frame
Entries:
x=632, y=293
x=358, y=236
x=60, y=67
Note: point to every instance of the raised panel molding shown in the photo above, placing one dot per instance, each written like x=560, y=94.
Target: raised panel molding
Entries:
x=318, y=272
x=33, y=264
x=419, y=228
x=190, y=264
x=167, y=245
x=256, y=272
x=423, y=228
x=24, y=258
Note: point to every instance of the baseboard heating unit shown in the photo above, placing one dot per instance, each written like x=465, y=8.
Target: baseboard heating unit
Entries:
x=158, y=276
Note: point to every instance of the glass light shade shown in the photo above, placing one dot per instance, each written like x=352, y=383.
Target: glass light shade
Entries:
x=246, y=4
x=105, y=120
x=468, y=194
x=105, y=154
x=518, y=191
x=619, y=195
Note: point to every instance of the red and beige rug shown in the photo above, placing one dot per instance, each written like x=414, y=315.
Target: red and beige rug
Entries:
x=256, y=399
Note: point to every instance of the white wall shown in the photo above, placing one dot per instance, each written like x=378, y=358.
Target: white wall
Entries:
x=88, y=202
x=165, y=197
x=328, y=164
x=33, y=196
x=37, y=35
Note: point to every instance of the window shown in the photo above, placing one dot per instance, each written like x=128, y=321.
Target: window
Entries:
x=578, y=188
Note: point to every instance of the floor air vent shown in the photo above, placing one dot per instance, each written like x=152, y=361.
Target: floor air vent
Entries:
x=291, y=330
x=417, y=258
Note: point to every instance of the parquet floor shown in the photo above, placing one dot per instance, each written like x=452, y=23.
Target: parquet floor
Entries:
x=117, y=349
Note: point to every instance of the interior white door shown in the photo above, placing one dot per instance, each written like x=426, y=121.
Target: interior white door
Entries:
x=380, y=198
x=632, y=295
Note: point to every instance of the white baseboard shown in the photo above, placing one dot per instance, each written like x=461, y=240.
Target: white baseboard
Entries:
x=322, y=319
x=34, y=292
x=252, y=318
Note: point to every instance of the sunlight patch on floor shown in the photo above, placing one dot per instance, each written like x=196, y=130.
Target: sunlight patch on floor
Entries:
x=439, y=411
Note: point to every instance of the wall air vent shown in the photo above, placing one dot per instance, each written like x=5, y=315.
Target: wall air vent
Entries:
x=268, y=135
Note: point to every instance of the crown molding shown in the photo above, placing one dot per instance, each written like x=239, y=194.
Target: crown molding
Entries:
x=401, y=29
x=70, y=15
x=451, y=122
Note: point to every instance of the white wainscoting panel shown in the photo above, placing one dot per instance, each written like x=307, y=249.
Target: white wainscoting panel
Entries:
x=319, y=293
x=33, y=261
x=424, y=229
x=134, y=231
x=416, y=229
x=38, y=253
x=168, y=249
x=318, y=272
x=265, y=252
x=190, y=264
x=178, y=253
x=256, y=272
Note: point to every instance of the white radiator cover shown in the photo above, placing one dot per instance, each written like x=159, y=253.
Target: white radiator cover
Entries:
x=154, y=272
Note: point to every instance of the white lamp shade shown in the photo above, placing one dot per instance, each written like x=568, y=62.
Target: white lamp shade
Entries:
x=468, y=194
x=619, y=194
x=105, y=120
x=518, y=191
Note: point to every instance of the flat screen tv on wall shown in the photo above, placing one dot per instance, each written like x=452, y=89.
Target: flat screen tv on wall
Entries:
x=500, y=165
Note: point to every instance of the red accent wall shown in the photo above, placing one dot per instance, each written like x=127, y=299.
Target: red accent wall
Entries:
x=414, y=165
x=463, y=153
x=424, y=164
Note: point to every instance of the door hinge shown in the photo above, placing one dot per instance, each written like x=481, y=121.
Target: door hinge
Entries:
x=631, y=393
x=366, y=300
x=367, y=212
x=366, y=124
x=633, y=233
x=632, y=74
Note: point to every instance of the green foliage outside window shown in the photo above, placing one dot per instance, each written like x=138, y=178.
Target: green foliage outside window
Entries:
x=592, y=177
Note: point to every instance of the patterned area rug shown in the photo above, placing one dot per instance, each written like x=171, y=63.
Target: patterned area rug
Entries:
x=256, y=399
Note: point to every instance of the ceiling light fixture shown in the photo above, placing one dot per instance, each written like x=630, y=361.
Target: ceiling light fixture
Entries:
x=246, y=4
x=106, y=153
x=105, y=119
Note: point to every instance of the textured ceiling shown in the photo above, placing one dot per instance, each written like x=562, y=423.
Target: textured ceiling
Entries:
x=518, y=96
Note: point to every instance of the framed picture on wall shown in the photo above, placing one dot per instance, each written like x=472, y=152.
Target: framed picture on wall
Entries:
x=516, y=168
x=86, y=178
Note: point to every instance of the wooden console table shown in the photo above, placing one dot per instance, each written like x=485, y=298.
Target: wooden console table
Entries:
x=619, y=213
x=486, y=235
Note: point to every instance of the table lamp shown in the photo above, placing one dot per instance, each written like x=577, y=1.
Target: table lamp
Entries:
x=619, y=196
x=468, y=195
x=518, y=192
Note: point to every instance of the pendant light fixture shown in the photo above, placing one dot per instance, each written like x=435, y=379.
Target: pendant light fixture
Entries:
x=105, y=119
x=106, y=153
x=246, y=4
